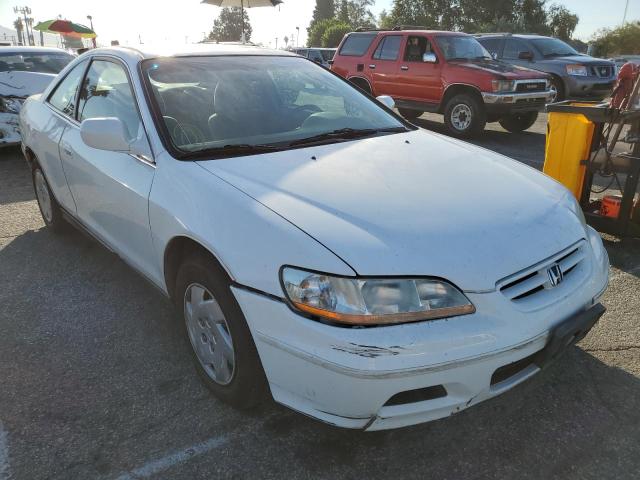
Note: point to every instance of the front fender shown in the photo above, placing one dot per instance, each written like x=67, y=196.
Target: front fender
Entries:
x=249, y=240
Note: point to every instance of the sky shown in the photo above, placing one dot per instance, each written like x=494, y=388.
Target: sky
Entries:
x=154, y=21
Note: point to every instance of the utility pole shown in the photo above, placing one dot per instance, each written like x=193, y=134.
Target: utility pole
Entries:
x=297, y=36
x=94, y=38
x=626, y=9
x=25, y=11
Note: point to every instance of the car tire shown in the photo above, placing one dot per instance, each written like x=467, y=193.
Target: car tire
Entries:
x=48, y=205
x=410, y=114
x=518, y=122
x=222, y=347
x=465, y=116
x=558, y=86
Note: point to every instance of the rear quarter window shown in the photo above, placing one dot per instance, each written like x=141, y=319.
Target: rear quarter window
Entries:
x=357, y=44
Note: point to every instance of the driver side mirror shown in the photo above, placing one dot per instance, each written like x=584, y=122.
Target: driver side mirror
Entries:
x=387, y=101
x=525, y=56
x=429, y=58
x=105, y=134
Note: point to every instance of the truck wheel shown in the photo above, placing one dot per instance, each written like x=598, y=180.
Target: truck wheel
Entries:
x=518, y=122
x=410, y=114
x=558, y=87
x=224, y=353
x=465, y=116
x=49, y=208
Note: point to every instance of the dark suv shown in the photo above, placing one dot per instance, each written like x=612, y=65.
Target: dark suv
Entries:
x=573, y=74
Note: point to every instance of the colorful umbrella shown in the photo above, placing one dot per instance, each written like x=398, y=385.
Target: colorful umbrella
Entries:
x=65, y=27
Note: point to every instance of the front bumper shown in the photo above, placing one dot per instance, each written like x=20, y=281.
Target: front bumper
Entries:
x=505, y=102
x=349, y=377
x=589, y=86
x=9, y=129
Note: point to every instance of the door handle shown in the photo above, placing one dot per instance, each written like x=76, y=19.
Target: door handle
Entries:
x=404, y=67
x=372, y=66
x=67, y=149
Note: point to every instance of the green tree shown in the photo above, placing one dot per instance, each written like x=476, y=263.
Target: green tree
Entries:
x=356, y=13
x=324, y=9
x=316, y=31
x=228, y=26
x=624, y=40
x=436, y=14
x=562, y=23
x=334, y=33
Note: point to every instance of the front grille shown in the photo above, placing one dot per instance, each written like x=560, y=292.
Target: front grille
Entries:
x=602, y=71
x=534, y=287
x=531, y=87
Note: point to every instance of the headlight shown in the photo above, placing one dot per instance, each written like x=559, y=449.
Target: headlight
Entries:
x=578, y=70
x=372, y=301
x=503, y=85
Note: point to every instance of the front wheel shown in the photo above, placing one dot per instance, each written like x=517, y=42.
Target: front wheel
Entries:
x=223, y=350
x=465, y=116
x=410, y=114
x=518, y=122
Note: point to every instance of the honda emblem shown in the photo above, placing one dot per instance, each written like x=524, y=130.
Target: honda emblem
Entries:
x=555, y=275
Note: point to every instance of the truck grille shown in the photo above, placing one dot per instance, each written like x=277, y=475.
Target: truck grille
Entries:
x=602, y=71
x=539, y=286
x=540, y=86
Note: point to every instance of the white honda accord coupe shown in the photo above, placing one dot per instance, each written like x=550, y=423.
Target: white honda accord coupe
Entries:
x=364, y=272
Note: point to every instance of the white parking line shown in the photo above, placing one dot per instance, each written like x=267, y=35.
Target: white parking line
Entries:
x=5, y=474
x=161, y=464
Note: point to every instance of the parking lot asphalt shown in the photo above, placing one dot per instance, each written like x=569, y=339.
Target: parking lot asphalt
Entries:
x=96, y=380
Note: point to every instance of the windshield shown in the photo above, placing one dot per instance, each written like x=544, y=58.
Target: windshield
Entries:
x=34, y=62
x=461, y=48
x=218, y=102
x=552, y=47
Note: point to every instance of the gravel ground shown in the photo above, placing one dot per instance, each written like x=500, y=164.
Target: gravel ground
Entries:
x=97, y=381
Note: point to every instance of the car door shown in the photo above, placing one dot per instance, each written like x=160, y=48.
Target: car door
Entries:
x=419, y=80
x=48, y=130
x=383, y=66
x=111, y=189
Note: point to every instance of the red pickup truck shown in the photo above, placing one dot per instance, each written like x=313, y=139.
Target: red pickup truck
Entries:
x=443, y=72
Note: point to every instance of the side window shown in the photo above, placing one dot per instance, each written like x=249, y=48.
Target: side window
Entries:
x=388, y=48
x=492, y=45
x=513, y=47
x=357, y=44
x=302, y=53
x=63, y=97
x=106, y=92
x=315, y=56
x=416, y=47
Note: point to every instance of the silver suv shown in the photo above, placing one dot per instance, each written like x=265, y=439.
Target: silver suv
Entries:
x=573, y=74
x=321, y=56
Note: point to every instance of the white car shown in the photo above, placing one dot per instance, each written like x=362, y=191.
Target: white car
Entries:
x=24, y=71
x=364, y=272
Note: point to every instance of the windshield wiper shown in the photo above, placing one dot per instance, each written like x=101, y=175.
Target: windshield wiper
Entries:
x=344, y=134
x=231, y=150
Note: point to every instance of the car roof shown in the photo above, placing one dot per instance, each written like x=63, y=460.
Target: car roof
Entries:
x=526, y=36
x=32, y=50
x=418, y=32
x=141, y=52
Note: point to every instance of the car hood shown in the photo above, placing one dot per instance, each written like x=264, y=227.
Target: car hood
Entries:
x=24, y=84
x=413, y=204
x=503, y=69
x=581, y=59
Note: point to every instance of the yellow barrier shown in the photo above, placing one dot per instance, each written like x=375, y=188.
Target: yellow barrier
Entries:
x=569, y=137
